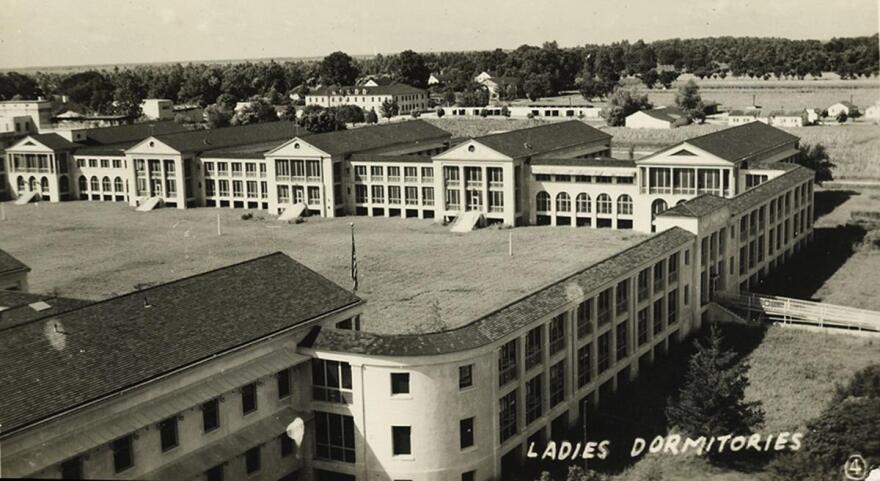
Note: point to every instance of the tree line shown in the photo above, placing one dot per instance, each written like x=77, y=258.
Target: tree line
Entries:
x=542, y=71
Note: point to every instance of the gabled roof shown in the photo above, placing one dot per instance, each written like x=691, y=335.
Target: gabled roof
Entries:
x=54, y=364
x=212, y=139
x=363, y=139
x=506, y=320
x=52, y=141
x=9, y=264
x=542, y=139
x=668, y=114
x=739, y=143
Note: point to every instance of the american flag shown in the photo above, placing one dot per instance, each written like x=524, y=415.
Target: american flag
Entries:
x=354, y=261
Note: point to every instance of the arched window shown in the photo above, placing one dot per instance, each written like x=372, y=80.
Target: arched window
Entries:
x=105, y=184
x=582, y=203
x=63, y=183
x=44, y=185
x=603, y=204
x=625, y=205
x=95, y=185
x=20, y=183
x=563, y=202
x=83, y=183
x=118, y=186
x=658, y=206
x=542, y=202
x=32, y=184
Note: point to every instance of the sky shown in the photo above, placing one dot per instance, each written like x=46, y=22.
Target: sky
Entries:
x=90, y=32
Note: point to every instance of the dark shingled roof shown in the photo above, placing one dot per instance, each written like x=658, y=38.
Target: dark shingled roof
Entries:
x=57, y=363
x=15, y=307
x=507, y=319
x=226, y=137
x=418, y=159
x=130, y=133
x=11, y=264
x=707, y=203
x=53, y=141
x=698, y=206
x=669, y=114
x=739, y=143
x=542, y=139
x=594, y=162
x=362, y=139
x=772, y=188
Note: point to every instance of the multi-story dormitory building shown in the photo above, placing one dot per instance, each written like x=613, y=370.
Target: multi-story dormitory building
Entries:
x=129, y=387
x=559, y=174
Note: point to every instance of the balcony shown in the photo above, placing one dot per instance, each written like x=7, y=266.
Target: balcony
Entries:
x=494, y=184
x=427, y=180
x=377, y=178
x=393, y=178
x=411, y=180
x=474, y=184
x=452, y=182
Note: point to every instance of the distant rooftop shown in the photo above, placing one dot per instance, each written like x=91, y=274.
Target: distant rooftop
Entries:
x=363, y=139
x=743, y=142
x=9, y=264
x=543, y=139
x=389, y=89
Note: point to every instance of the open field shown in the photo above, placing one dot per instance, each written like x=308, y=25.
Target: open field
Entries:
x=414, y=274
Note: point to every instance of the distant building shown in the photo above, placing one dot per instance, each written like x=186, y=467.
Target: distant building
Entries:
x=777, y=118
x=374, y=81
x=13, y=274
x=482, y=77
x=409, y=99
x=192, y=113
x=659, y=118
x=157, y=109
x=843, y=106
x=23, y=117
x=498, y=86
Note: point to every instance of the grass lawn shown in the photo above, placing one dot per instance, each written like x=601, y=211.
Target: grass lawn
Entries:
x=410, y=270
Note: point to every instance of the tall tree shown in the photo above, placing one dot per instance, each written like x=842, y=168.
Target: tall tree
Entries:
x=411, y=69
x=257, y=111
x=389, y=108
x=339, y=68
x=815, y=158
x=689, y=100
x=622, y=104
x=712, y=400
x=130, y=92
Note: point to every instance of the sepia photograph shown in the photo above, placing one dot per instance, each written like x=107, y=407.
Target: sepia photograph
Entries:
x=388, y=240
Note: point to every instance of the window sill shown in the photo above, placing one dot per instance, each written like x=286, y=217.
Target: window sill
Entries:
x=401, y=397
x=403, y=457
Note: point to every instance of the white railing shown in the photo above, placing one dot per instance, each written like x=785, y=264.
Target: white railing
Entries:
x=796, y=311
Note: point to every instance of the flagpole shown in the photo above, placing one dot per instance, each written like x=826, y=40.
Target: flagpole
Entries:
x=354, y=266
x=510, y=243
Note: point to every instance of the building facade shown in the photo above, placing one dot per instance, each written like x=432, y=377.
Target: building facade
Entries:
x=370, y=97
x=556, y=173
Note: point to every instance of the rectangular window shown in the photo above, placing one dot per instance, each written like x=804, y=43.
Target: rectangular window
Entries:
x=411, y=195
x=331, y=381
x=360, y=194
x=249, y=398
x=642, y=326
x=622, y=296
x=402, y=444
x=378, y=194
x=252, y=460
x=393, y=194
x=168, y=433
x=622, y=341
x=377, y=173
x=557, y=334
x=534, y=399
x=672, y=307
x=123, y=455
x=507, y=415
x=507, y=369
x=658, y=276
x=399, y=383
x=72, y=468
x=210, y=415
x=224, y=187
x=314, y=195
x=298, y=169
x=334, y=437
x=427, y=196
x=282, y=168
x=313, y=170
x=658, y=316
x=427, y=174
x=584, y=321
x=585, y=367
x=282, y=377
x=466, y=433
x=604, y=355
x=557, y=383
x=604, y=307
x=286, y=445
x=534, y=347
x=393, y=174
x=360, y=173
x=465, y=376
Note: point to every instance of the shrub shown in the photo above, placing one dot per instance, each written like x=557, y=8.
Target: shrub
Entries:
x=247, y=216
